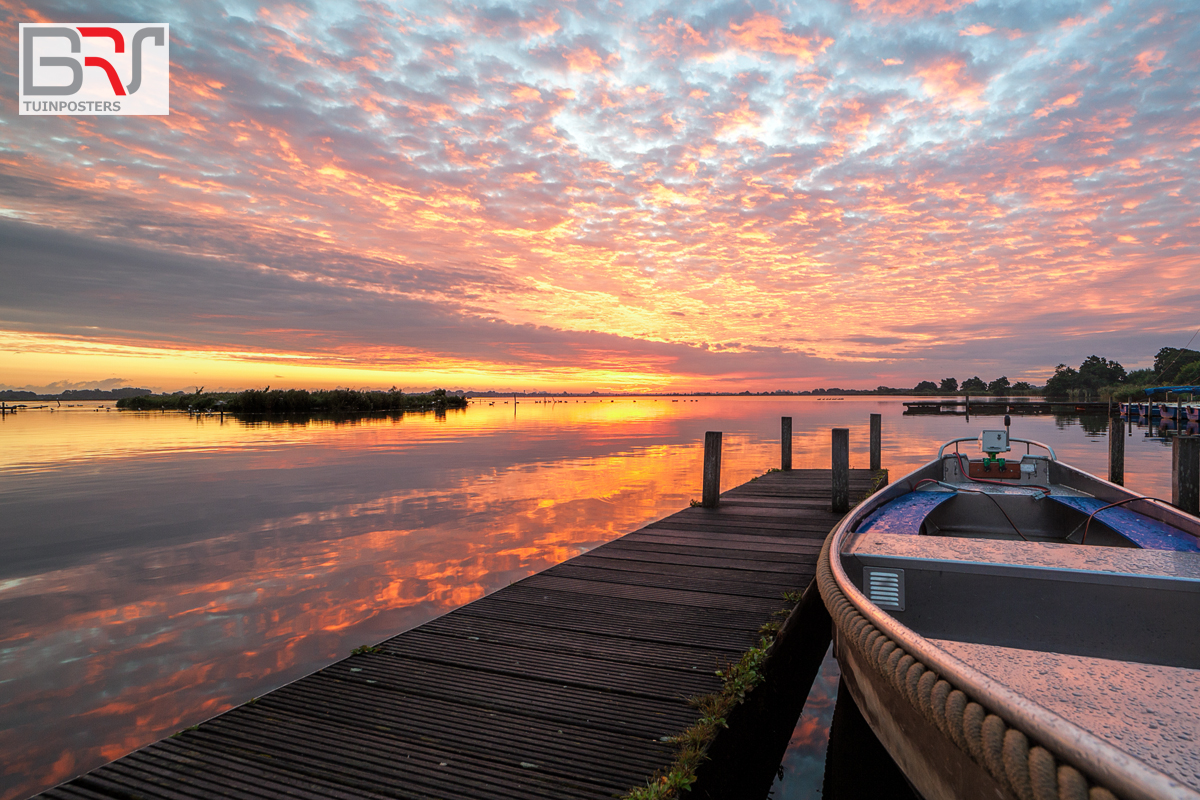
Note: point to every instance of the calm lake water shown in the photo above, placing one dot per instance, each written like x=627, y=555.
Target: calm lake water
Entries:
x=157, y=569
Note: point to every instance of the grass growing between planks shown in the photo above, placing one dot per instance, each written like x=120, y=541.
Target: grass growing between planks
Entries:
x=740, y=678
x=878, y=480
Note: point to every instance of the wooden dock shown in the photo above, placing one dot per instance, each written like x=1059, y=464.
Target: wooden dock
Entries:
x=567, y=684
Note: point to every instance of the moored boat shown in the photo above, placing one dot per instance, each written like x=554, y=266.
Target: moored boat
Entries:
x=1142, y=410
x=1019, y=628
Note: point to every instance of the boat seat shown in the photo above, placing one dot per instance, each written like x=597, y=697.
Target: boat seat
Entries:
x=1149, y=534
x=904, y=515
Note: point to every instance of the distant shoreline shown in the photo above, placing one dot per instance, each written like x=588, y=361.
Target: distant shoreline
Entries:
x=77, y=395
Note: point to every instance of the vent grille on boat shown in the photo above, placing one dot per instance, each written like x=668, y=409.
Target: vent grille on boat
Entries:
x=884, y=587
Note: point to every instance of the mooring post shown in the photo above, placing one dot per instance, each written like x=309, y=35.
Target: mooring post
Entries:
x=1185, y=474
x=712, y=469
x=876, y=442
x=1116, y=450
x=785, y=443
x=841, y=470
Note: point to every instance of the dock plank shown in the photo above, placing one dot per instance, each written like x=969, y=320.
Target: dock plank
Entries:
x=566, y=684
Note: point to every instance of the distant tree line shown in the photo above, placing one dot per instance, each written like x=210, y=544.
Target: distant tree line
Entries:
x=975, y=385
x=74, y=394
x=295, y=401
x=1099, y=377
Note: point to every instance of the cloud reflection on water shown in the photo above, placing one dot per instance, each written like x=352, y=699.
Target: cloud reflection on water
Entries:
x=157, y=569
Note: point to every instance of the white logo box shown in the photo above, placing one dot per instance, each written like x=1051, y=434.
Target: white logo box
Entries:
x=119, y=68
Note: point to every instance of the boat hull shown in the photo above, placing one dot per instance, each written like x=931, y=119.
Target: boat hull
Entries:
x=984, y=743
x=937, y=767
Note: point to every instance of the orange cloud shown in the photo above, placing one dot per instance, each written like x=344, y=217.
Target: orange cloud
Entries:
x=978, y=29
x=948, y=79
x=674, y=37
x=765, y=33
x=541, y=26
x=909, y=8
x=1080, y=19
x=1065, y=101
x=31, y=14
x=584, y=60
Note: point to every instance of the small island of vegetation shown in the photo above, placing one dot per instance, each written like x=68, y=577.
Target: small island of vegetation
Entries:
x=294, y=401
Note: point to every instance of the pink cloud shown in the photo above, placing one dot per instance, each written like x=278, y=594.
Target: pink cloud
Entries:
x=909, y=8
x=947, y=79
x=1066, y=101
x=765, y=33
x=585, y=59
x=1147, y=61
x=978, y=29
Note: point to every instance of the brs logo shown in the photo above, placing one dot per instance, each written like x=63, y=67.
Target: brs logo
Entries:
x=123, y=68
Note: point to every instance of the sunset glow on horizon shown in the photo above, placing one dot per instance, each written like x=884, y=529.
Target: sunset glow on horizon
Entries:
x=610, y=196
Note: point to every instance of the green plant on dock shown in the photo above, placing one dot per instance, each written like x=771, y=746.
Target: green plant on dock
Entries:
x=770, y=628
x=694, y=503
x=768, y=472
x=743, y=676
x=877, y=481
x=739, y=678
x=177, y=734
x=365, y=648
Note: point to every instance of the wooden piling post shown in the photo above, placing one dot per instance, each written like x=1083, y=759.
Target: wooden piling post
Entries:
x=876, y=442
x=712, y=469
x=1185, y=473
x=841, y=470
x=785, y=444
x=1116, y=450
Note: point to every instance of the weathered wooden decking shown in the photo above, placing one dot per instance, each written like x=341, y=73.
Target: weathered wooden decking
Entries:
x=563, y=685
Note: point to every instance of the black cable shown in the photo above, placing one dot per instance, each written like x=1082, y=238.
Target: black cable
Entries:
x=985, y=494
x=1083, y=539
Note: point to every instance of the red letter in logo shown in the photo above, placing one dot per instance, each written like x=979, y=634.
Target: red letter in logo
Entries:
x=112, y=33
x=118, y=46
x=93, y=61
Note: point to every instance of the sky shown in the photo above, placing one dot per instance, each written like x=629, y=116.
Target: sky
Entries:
x=638, y=196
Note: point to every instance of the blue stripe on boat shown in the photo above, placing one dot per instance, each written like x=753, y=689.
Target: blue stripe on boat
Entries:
x=905, y=514
x=1146, y=533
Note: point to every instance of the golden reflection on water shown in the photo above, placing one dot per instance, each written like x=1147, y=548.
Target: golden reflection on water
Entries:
x=163, y=568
